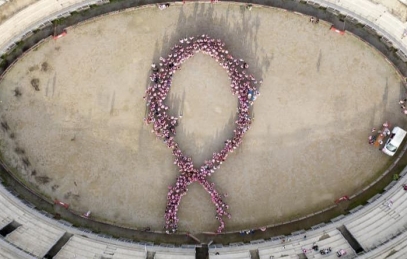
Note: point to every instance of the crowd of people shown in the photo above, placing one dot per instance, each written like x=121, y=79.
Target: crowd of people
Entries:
x=243, y=84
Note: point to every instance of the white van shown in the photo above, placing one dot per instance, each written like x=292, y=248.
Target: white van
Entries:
x=393, y=143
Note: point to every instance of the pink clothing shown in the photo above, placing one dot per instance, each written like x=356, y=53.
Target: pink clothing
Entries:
x=164, y=126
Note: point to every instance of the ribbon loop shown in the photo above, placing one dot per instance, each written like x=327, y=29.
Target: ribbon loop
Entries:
x=243, y=85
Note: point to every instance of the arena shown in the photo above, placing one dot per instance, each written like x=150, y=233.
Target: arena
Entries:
x=73, y=116
x=321, y=94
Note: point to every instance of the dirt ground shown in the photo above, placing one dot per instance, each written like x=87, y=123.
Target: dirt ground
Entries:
x=72, y=113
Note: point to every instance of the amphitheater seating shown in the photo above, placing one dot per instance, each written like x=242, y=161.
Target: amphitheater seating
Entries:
x=398, y=251
x=27, y=16
x=181, y=254
x=389, y=22
x=229, y=255
x=83, y=247
x=282, y=250
x=33, y=236
x=381, y=223
x=395, y=248
x=7, y=251
x=293, y=248
x=34, y=15
x=4, y=221
x=366, y=8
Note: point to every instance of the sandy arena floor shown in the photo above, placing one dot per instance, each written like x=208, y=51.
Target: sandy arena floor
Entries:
x=80, y=136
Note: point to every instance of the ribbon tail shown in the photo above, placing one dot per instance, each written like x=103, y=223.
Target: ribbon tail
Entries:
x=216, y=197
x=174, y=196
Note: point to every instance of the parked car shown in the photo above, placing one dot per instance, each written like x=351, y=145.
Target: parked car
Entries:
x=396, y=138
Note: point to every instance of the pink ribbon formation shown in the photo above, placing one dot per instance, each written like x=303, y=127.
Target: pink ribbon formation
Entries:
x=243, y=85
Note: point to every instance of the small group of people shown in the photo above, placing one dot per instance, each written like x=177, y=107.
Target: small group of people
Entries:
x=246, y=232
x=403, y=106
x=314, y=247
x=325, y=251
x=372, y=139
x=243, y=84
x=163, y=6
x=314, y=20
x=381, y=134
